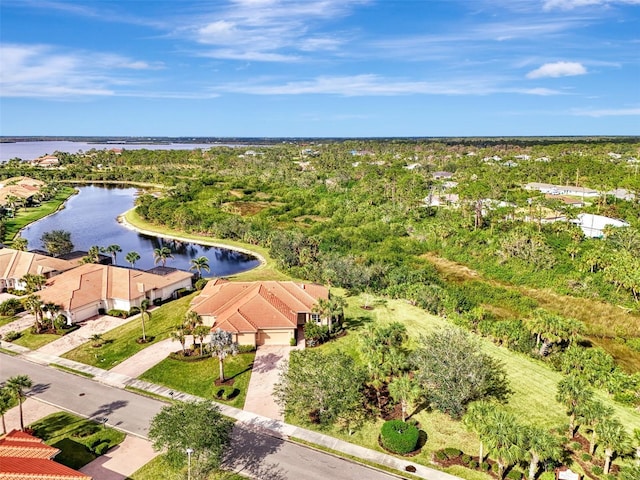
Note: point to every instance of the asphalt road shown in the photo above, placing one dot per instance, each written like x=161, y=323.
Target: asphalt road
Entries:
x=259, y=455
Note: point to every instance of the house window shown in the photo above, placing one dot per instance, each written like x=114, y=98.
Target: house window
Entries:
x=315, y=317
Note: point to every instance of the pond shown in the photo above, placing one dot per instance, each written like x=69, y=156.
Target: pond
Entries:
x=91, y=217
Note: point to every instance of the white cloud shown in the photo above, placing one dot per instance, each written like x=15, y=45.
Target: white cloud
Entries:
x=45, y=71
x=607, y=112
x=558, y=69
x=571, y=4
x=376, y=85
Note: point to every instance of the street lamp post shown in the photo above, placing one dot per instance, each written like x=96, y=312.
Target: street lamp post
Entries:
x=189, y=452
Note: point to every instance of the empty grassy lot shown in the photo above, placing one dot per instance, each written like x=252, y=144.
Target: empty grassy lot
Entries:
x=533, y=384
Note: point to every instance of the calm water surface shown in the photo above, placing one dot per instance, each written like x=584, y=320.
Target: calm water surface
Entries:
x=33, y=150
x=91, y=217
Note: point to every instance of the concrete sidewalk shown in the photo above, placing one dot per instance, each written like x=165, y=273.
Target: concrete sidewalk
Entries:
x=261, y=423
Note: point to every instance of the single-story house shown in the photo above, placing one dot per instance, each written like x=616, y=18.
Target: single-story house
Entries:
x=593, y=225
x=562, y=189
x=259, y=313
x=25, y=457
x=15, y=264
x=86, y=290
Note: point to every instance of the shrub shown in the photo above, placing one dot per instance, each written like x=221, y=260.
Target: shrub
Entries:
x=585, y=457
x=399, y=437
x=117, y=313
x=485, y=466
x=134, y=311
x=200, y=283
x=157, y=302
x=219, y=393
x=102, y=448
x=575, y=446
x=246, y=348
x=292, y=342
x=473, y=464
x=12, y=335
x=514, y=475
x=466, y=459
x=10, y=307
x=230, y=394
x=495, y=468
x=440, y=455
x=452, y=452
x=597, y=470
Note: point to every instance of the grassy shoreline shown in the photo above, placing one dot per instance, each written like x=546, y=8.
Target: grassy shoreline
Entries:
x=265, y=271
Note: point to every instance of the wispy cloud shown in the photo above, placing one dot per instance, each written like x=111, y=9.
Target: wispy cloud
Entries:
x=46, y=71
x=558, y=69
x=572, y=4
x=607, y=112
x=375, y=85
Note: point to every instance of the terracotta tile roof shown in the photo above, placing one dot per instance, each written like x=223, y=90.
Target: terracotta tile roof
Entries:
x=25, y=457
x=93, y=282
x=15, y=264
x=250, y=306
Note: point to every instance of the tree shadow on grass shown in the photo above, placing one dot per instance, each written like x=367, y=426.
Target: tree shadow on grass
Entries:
x=357, y=322
x=73, y=454
x=249, y=451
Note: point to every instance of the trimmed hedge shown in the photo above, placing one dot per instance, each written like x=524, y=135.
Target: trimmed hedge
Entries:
x=399, y=437
x=452, y=453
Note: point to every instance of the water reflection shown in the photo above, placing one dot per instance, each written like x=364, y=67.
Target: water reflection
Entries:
x=91, y=217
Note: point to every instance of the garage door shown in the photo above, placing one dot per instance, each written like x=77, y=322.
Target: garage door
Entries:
x=274, y=337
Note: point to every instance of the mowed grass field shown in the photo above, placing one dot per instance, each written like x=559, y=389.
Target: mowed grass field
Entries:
x=533, y=383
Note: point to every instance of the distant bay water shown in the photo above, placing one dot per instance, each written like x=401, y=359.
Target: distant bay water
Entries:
x=91, y=217
x=33, y=150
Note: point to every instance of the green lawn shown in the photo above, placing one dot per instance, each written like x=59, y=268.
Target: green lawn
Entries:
x=533, y=384
x=197, y=378
x=28, y=215
x=76, y=437
x=35, y=340
x=160, y=468
x=5, y=320
x=120, y=343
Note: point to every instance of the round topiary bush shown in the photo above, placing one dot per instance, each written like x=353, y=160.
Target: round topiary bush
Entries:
x=485, y=466
x=452, y=452
x=514, y=475
x=597, y=470
x=585, y=457
x=399, y=437
x=465, y=459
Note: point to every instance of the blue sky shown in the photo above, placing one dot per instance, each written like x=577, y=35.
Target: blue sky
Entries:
x=344, y=68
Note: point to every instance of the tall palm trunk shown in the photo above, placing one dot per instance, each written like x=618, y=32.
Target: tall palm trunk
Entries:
x=4, y=425
x=608, y=453
x=21, y=416
x=221, y=365
x=533, y=466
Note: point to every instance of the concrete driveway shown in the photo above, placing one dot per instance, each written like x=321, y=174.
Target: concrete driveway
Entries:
x=264, y=375
x=122, y=460
x=23, y=321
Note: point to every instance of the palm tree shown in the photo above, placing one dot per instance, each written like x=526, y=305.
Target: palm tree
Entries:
x=222, y=344
x=549, y=328
x=592, y=413
x=20, y=243
x=179, y=335
x=93, y=255
x=144, y=312
x=161, y=255
x=505, y=439
x=5, y=405
x=191, y=321
x=112, y=250
x=16, y=385
x=32, y=282
x=614, y=438
x=404, y=389
x=131, y=258
x=199, y=264
x=201, y=331
x=96, y=340
x=573, y=394
x=34, y=305
x=541, y=445
x=51, y=309
x=477, y=419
